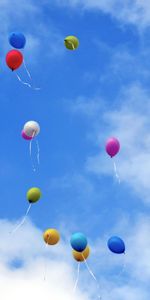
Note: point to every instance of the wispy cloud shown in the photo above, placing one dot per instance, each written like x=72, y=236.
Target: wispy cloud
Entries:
x=10, y=16
x=136, y=12
x=27, y=247
x=129, y=122
x=38, y=35
x=129, y=271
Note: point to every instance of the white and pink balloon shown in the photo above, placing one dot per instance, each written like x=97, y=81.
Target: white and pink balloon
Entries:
x=30, y=130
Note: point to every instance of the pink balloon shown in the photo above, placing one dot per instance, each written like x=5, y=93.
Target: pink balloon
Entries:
x=26, y=137
x=112, y=146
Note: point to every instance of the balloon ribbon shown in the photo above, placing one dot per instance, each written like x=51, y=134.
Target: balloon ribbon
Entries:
x=38, y=151
x=29, y=75
x=77, y=279
x=22, y=222
x=116, y=173
x=93, y=276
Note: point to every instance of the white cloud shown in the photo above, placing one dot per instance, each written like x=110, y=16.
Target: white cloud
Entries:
x=136, y=12
x=130, y=123
x=122, y=64
x=28, y=279
x=138, y=252
x=125, y=276
x=90, y=108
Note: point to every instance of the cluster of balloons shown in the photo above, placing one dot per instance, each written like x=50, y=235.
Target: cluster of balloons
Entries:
x=81, y=249
x=31, y=129
x=17, y=40
x=51, y=236
x=78, y=240
x=80, y=246
x=14, y=58
x=79, y=243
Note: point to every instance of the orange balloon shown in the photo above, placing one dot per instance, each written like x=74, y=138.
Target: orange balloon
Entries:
x=81, y=256
x=51, y=236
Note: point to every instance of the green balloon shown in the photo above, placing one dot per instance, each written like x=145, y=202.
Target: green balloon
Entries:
x=71, y=42
x=33, y=195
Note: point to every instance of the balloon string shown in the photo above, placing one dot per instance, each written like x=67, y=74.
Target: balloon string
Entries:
x=28, y=73
x=116, y=173
x=93, y=276
x=22, y=222
x=77, y=279
x=23, y=82
x=38, y=152
x=72, y=45
x=123, y=267
x=26, y=83
x=30, y=150
x=45, y=269
x=30, y=77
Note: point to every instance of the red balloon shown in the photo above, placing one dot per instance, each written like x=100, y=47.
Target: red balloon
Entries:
x=14, y=59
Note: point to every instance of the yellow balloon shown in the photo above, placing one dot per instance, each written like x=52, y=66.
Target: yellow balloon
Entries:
x=71, y=42
x=81, y=256
x=51, y=236
x=33, y=194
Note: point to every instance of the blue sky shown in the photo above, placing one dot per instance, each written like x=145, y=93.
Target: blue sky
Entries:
x=99, y=90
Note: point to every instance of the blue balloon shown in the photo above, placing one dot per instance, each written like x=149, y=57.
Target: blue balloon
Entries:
x=116, y=245
x=78, y=241
x=17, y=40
